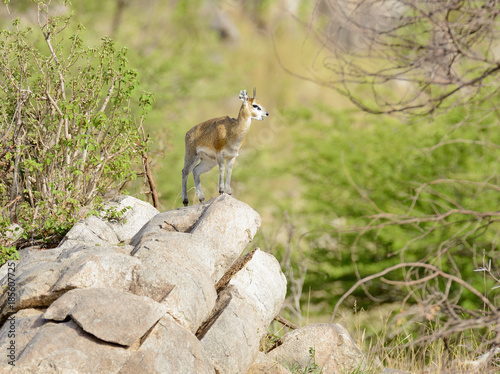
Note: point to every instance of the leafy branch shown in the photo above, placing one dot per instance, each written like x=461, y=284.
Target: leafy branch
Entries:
x=67, y=126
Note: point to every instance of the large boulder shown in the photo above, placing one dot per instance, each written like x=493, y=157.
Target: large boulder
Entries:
x=254, y=297
x=216, y=232
x=90, y=255
x=110, y=315
x=25, y=324
x=175, y=278
x=42, y=277
x=228, y=225
x=327, y=345
x=169, y=348
x=120, y=219
x=262, y=284
x=69, y=349
x=97, y=267
x=186, y=251
x=29, y=285
x=126, y=292
x=90, y=230
x=180, y=220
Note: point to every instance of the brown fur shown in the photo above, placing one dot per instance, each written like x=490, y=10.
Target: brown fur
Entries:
x=215, y=141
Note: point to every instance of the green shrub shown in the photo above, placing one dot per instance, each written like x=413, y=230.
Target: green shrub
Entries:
x=67, y=127
x=379, y=193
x=8, y=253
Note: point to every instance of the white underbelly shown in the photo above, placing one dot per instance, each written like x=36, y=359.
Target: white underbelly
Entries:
x=204, y=152
x=209, y=153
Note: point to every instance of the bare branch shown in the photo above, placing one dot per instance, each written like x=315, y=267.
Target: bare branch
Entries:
x=433, y=268
x=425, y=56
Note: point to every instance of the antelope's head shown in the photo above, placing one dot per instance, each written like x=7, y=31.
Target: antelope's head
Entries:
x=257, y=111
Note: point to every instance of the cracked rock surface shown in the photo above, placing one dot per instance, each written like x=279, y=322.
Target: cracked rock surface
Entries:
x=148, y=292
x=103, y=312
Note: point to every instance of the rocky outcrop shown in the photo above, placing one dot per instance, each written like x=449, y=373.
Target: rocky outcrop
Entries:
x=135, y=290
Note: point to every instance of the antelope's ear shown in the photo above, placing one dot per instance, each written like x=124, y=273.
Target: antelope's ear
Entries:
x=243, y=95
x=254, y=92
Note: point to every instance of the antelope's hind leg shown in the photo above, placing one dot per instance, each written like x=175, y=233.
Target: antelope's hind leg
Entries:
x=189, y=165
x=206, y=164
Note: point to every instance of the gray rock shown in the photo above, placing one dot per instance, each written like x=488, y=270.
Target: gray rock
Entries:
x=266, y=365
x=334, y=349
x=26, y=323
x=262, y=284
x=173, y=276
x=169, y=348
x=181, y=220
x=133, y=214
x=110, y=315
x=32, y=287
x=44, y=275
x=98, y=268
x=91, y=230
x=255, y=295
x=186, y=251
x=114, y=307
x=216, y=232
x=228, y=225
x=79, y=249
x=137, y=214
x=66, y=348
x=194, y=248
x=232, y=342
x=29, y=256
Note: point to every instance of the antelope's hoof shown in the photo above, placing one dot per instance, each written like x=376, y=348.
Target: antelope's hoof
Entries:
x=186, y=202
x=221, y=191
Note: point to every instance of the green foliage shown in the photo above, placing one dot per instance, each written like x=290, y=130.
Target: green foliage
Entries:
x=67, y=123
x=379, y=192
x=8, y=253
x=112, y=214
x=268, y=342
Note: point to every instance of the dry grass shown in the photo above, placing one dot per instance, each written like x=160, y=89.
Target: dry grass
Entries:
x=387, y=344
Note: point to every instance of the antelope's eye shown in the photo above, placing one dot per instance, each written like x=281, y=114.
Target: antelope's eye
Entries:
x=256, y=106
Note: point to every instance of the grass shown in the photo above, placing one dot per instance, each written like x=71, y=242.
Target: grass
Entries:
x=390, y=341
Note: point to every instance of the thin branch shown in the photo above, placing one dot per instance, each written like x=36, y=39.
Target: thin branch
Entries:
x=433, y=268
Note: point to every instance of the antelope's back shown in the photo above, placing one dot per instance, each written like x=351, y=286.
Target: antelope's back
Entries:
x=210, y=133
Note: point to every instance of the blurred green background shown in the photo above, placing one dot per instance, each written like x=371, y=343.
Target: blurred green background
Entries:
x=318, y=164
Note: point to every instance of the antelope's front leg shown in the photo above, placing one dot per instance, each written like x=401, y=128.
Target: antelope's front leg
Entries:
x=230, y=164
x=220, y=161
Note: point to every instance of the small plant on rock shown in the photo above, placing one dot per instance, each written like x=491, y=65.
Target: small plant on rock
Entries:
x=310, y=368
x=8, y=253
x=112, y=214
